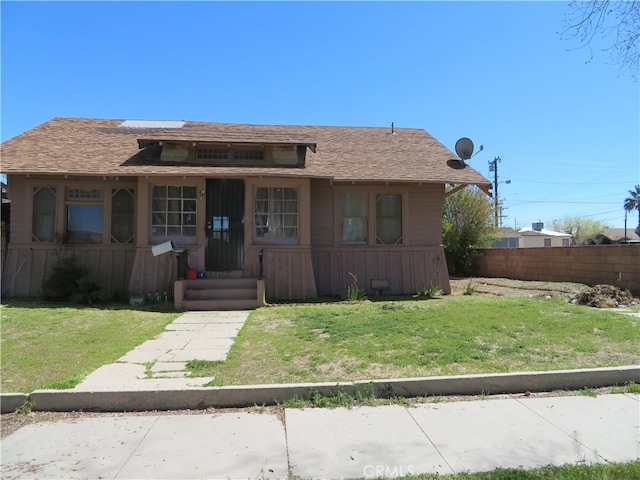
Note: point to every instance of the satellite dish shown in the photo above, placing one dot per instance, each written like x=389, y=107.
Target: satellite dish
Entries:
x=464, y=148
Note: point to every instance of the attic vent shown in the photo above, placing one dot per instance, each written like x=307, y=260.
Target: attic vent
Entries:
x=152, y=124
x=250, y=155
x=213, y=154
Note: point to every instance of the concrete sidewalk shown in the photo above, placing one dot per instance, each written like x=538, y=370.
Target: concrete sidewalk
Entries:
x=363, y=442
x=160, y=364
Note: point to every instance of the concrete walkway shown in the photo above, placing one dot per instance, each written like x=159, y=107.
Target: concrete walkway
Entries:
x=160, y=364
x=363, y=442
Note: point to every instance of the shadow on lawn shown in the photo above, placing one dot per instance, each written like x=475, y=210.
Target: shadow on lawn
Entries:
x=33, y=302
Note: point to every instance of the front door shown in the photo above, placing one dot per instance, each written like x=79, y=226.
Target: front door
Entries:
x=225, y=225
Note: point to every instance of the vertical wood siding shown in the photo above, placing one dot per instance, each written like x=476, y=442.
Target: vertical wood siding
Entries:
x=408, y=269
x=322, y=224
x=28, y=265
x=287, y=271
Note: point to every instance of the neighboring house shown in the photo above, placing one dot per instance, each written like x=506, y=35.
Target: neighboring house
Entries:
x=295, y=209
x=538, y=236
x=617, y=235
x=506, y=237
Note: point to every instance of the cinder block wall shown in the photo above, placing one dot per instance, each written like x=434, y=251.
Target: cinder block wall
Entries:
x=617, y=265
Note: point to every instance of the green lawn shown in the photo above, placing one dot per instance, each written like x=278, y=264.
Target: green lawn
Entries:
x=49, y=346
x=622, y=471
x=55, y=346
x=445, y=336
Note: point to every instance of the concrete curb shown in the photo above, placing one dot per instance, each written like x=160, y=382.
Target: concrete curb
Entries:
x=251, y=395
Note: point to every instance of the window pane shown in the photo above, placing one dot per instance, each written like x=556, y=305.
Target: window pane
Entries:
x=174, y=218
x=189, y=192
x=353, y=228
x=188, y=219
x=159, y=204
x=276, y=214
x=160, y=191
x=389, y=219
x=174, y=205
x=84, y=223
x=353, y=204
x=44, y=214
x=174, y=191
x=122, y=224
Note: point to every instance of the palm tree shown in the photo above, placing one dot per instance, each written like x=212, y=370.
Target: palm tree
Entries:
x=633, y=203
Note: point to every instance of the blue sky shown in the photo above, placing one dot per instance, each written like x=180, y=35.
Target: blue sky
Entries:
x=566, y=129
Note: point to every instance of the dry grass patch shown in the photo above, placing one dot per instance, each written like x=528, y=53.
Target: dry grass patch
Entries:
x=447, y=336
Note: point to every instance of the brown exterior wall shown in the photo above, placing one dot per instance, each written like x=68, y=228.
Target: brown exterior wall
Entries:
x=317, y=265
x=26, y=266
x=410, y=267
x=617, y=265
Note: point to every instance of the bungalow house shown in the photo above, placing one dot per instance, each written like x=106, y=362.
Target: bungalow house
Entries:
x=538, y=236
x=282, y=212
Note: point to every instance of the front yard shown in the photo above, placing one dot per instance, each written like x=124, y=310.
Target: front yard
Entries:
x=53, y=346
x=443, y=336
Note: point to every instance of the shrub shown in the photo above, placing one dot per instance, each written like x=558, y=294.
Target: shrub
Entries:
x=61, y=282
x=354, y=293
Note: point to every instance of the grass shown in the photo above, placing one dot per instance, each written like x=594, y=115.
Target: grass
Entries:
x=55, y=346
x=445, y=336
x=611, y=471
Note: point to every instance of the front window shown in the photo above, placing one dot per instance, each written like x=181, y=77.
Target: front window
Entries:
x=44, y=214
x=547, y=242
x=174, y=212
x=122, y=208
x=388, y=219
x=276, y=214
x=84, y=215
x=353, y=228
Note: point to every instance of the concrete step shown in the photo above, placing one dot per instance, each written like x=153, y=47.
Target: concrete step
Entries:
x=226, y=283
x=225, y=304
x=222, y=294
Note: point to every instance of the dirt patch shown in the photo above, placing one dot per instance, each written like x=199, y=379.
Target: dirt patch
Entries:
x=521, y=288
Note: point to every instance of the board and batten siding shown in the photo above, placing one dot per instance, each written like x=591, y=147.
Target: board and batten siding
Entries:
x=27, y=263
x=410, y=267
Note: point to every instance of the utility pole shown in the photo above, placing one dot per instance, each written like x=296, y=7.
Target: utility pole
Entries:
x=493, y=167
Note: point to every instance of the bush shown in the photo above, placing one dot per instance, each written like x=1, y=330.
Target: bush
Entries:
x=69, y=281
x=87, y=292
x=62, y=280
x=467, y=224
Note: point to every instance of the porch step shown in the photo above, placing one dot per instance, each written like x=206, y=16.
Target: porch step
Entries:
x=222, y=294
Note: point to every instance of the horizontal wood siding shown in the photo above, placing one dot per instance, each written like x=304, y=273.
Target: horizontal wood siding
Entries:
x=28, y=265
x=408, y=269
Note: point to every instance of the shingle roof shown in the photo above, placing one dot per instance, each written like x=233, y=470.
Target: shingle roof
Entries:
x=83, y=146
